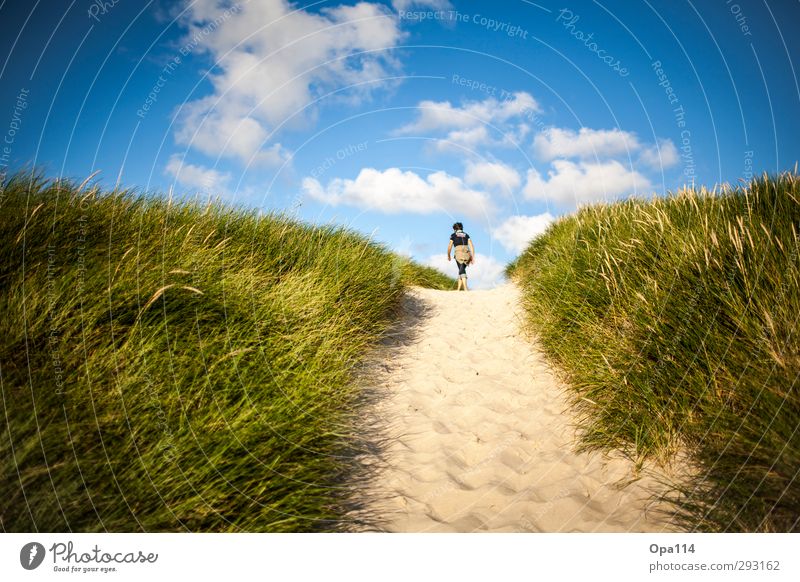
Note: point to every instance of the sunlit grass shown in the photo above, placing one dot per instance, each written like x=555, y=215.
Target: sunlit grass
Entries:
x=675, y=321
x=172, y=366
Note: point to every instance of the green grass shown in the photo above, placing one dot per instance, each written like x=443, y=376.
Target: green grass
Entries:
x=675, y=320
x=176, y=366
x=424, y=276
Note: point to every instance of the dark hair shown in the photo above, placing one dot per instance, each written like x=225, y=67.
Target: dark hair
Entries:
x=458, y=226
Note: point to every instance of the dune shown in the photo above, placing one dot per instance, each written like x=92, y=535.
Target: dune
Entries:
x=479, y=433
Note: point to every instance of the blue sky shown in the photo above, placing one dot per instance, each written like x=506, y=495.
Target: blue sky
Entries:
x=397, y=118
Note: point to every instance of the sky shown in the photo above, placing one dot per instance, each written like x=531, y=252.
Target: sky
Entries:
x=398, y=118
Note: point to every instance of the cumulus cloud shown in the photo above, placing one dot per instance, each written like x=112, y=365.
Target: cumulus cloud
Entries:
x=435, y=4
x=492, y=176
x=517, y=231
x=206, y=180
x=586, y=143
x=460, y=139
x=486, y=272
x=600, y=144
x=393, y=191
x=475, y=122
x=232, y=133
x=271, y=60
x=440, y=115
x=570, y=182
x=664, y=155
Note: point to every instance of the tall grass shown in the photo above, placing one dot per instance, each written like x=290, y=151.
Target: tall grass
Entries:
x=169, y=367
x=423, y=276
x=676, y=322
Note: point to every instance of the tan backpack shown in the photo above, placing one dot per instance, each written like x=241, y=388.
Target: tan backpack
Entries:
x=462, y=253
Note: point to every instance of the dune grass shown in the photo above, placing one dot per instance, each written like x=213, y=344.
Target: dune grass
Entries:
x=675, y=320
x=170, y=367
x=424, y=276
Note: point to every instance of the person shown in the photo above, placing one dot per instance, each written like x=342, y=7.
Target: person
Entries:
x=464, y=253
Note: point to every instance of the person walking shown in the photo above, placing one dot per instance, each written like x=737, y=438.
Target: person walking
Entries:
x=464, y=252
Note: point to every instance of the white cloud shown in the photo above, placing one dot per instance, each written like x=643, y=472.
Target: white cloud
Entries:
x=206, y=180
x=469, y=139
x=486, y=272
x=596, y=144
x=664, y=155
x=272, y=60
x=400, y=5
x=474, y=123
x=514, y=136
x=517, y=231
x=393, y=191
x=493, y=176
x=586, y=143
x=219, y=132
x=570, y=182
x=441, y=115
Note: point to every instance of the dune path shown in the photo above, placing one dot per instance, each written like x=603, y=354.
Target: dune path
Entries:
x=479, y=433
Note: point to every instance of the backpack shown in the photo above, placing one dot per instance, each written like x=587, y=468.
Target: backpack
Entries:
x=462, y=253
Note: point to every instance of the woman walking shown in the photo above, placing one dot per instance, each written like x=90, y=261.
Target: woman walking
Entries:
x=464, y=252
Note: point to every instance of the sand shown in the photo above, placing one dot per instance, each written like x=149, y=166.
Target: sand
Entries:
x=480, y=435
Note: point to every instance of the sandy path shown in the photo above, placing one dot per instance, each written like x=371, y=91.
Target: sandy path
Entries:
x=479, y=437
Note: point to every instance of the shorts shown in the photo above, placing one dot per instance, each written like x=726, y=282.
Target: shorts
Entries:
x=462, y=270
